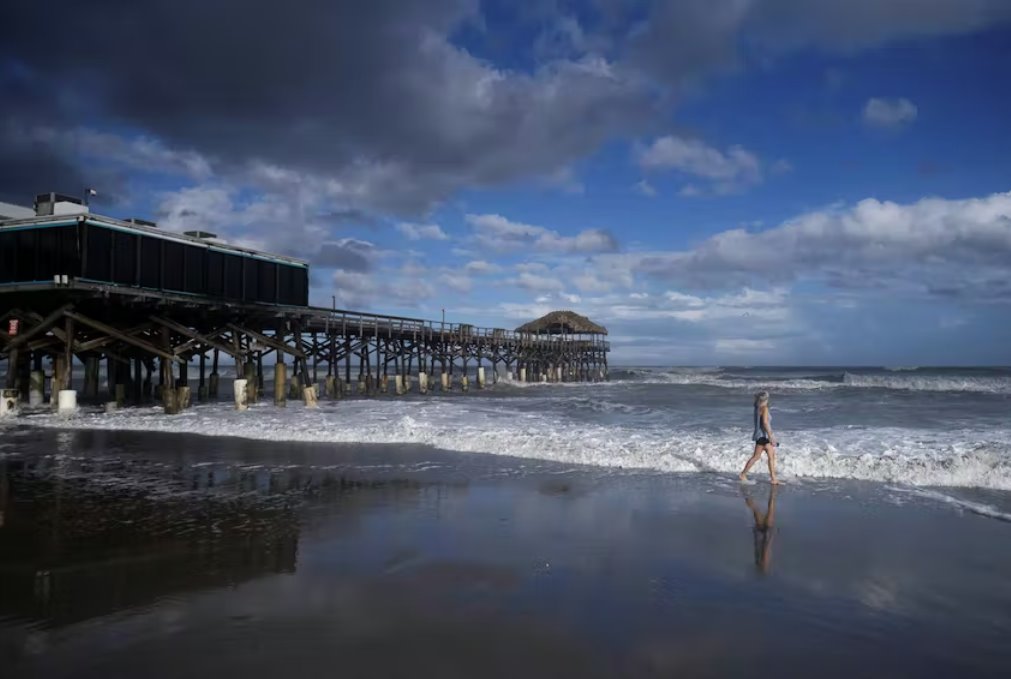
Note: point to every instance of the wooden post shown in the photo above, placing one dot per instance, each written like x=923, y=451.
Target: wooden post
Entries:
x=138, y=381
x=168, y=392
x=280, y=377
x=212, y=384
x=249, y=374
x=68, y=354
x=91, y=377
x=202, y=384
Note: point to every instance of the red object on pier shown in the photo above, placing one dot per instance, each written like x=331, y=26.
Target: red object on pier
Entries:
x=12, y=326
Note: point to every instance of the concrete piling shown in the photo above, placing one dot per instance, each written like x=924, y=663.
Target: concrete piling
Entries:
x=464, y=383
x=480, y=378
x=240, y=392
x=9, y=403
x=66, y=402
x=280, y=377
x=399, y=383
x=309, y=395
x=423, y=382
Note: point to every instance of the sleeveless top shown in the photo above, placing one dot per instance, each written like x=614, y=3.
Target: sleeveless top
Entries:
x=760, y=431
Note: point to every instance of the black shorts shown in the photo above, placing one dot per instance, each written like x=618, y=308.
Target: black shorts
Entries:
x=762, y=441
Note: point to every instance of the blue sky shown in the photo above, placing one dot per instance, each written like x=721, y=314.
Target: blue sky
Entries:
x=728, y=182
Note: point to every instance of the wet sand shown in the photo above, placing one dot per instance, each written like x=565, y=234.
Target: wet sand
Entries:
x=165, y=555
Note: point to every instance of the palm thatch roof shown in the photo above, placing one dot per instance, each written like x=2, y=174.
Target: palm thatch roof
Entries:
x=563, y=323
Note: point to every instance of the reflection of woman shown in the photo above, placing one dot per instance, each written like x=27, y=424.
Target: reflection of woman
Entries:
x=763, y=438
x=763, y=530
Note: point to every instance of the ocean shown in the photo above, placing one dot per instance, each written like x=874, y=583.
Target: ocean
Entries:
x=911, y=427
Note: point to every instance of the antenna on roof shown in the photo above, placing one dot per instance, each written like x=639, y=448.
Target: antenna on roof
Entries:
x=88, y=193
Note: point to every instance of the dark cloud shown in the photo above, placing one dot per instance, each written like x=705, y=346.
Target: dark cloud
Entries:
x=368, y=93
x=376, y=103
x=347, y=254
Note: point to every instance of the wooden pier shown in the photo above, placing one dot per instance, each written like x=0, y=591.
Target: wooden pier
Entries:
x=169, y=315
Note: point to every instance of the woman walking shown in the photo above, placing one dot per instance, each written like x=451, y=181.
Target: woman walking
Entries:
x=763, y=438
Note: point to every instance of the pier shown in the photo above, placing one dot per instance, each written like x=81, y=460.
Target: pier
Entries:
x=168, y=317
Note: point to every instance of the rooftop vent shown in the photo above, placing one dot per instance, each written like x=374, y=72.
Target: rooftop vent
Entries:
x=141, y=222
x=205, y=235
x=57, y=204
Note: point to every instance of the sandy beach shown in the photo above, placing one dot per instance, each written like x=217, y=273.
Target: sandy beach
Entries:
x=167, y=555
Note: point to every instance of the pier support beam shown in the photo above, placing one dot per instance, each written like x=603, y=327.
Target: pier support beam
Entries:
x=423, y=382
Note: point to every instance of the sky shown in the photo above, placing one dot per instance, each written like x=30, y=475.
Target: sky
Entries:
x=719, y=182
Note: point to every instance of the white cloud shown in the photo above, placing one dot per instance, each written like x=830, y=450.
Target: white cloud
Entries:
x=644, y=188
x=942, y=247
x=355, y=290
x=537, y=283
x=889, y=113
x=481, y=267
x=140, y=153
x=498, y=234
x=726, y=171
x=456, y=282
x=421, y=231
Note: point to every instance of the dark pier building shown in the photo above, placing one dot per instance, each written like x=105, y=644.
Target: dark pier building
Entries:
x=149, y=313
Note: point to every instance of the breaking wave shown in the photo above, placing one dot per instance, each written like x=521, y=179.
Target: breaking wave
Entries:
x=957, y=458
x=906, y=380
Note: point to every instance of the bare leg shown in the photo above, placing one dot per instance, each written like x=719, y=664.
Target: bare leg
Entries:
x=743, y=476
x=770, y=450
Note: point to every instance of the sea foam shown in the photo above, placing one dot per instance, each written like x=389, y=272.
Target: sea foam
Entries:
x=962, y=458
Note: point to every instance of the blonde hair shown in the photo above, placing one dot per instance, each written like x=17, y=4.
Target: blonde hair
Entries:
x=762, y=398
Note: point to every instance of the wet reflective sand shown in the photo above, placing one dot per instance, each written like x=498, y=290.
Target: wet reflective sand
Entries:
x=132, y=554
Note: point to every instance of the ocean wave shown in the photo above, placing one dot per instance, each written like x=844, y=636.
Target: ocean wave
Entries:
x=910, y=457
x=987, y=384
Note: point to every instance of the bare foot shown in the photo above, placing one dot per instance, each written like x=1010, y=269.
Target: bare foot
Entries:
x=774, y=482
x=742, y=477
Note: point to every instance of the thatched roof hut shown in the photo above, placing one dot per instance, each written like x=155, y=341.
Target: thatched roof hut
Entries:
x=563, y=323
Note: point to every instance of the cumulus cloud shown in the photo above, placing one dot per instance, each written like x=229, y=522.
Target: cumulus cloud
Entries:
x=726, y=171
x=889, y=113
x=537, y=283
x=481, y=267
x=421, y=231
x=938, y=246
x=358, y=290
x=644, y=188
x=496, y=233
x=387, y=110
x=349, y=254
